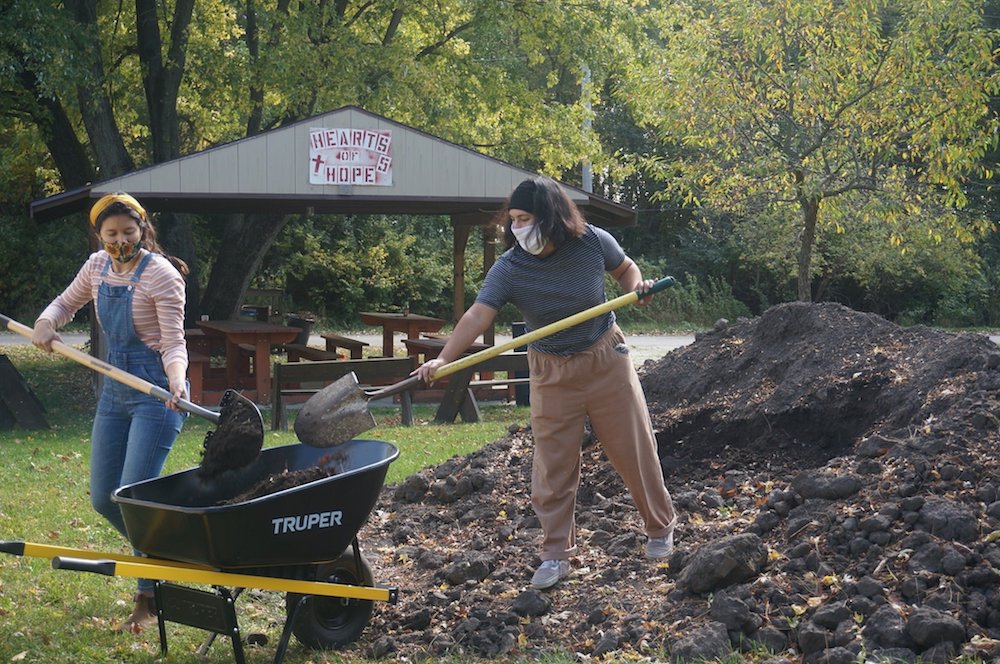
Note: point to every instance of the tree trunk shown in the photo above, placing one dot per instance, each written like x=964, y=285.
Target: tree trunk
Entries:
x=68, y=154
x=95, y=107
x=174, y=232
x=252, y=39
x=245, y=241
x=160, y=81
x=810, y=214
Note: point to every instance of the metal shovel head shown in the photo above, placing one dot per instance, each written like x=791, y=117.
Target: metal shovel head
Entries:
x=335, y=414
x=237, y=439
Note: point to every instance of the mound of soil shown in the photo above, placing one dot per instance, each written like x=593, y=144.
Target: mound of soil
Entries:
x=837, y=482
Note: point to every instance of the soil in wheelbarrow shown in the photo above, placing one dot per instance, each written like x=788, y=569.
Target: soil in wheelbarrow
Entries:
x=837, y=482
x=279, y=482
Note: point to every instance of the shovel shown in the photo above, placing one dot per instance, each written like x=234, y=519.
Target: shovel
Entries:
x=235, y=443
x=339, y=411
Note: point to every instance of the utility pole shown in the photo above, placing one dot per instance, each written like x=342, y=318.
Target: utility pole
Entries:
x=586, y=175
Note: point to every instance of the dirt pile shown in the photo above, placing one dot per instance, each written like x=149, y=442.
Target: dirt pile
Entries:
x=839, y=493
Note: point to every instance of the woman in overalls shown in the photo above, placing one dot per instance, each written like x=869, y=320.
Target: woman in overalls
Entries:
x=139, y=294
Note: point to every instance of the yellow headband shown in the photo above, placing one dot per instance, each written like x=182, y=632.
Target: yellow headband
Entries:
x=102, y=204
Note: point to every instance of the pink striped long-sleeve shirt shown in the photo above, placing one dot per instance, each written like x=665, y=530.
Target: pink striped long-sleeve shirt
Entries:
x=157, y=306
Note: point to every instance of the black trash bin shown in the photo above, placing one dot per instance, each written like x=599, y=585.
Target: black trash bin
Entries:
x=305, y=324
x=522, y=392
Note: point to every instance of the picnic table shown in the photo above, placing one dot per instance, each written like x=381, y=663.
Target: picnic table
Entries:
x=258, y=337
x=412, y=325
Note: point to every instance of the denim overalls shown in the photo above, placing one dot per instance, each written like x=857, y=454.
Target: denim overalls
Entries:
x=133, y=432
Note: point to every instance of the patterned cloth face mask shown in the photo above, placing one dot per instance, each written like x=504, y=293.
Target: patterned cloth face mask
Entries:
x=123, y=252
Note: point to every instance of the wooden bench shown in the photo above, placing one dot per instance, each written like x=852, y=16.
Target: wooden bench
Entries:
x=298, y=352
x=428, y=348
x=355, y=347
x=459, y=397
x=291, y=379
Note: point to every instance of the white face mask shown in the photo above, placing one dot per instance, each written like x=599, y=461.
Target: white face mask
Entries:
x=529, y=239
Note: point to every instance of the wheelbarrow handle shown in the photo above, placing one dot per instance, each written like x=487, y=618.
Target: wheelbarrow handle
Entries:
x=15, y=547
x=105, y=567
x=113, y=372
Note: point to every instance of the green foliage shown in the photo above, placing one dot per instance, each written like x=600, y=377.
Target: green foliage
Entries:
x=38, y=262
x=989, y=307
x=688, y=304
x=784, y=107
x=339, y=266
x=935, y=269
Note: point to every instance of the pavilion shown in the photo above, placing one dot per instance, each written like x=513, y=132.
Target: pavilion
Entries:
x=346, y=161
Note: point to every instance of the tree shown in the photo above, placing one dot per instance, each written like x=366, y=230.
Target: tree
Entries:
x=818, y=110
x=144, y=82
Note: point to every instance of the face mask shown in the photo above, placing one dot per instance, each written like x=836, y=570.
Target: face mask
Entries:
x=529, y=240
x=123, y=252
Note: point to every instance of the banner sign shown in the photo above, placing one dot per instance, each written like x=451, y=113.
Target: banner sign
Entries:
x=350, y=156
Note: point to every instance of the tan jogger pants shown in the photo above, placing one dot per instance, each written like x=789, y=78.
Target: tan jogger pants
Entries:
x=602, y=383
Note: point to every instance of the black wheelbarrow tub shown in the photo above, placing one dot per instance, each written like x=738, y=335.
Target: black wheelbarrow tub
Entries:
x=178, y=516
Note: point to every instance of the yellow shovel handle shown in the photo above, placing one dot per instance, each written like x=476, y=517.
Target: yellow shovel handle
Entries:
x=551, y=328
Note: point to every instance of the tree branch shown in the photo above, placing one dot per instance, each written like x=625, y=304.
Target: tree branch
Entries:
x=390, y=32
x=427, y=50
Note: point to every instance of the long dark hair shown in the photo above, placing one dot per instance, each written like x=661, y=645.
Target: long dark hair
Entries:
x=149, y=240
x=557, y=217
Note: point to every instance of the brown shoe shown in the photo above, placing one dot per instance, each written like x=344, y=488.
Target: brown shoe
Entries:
x=143, y=614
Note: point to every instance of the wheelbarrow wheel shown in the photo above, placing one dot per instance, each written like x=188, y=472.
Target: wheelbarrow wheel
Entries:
x=333, y=622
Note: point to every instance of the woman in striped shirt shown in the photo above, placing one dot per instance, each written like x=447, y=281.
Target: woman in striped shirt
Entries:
x=553, y=268
x=138, y=291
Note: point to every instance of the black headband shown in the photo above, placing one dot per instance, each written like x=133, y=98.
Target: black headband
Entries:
x=523, y=197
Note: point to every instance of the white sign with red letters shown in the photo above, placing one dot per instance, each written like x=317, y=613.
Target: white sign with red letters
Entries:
x=350, y=156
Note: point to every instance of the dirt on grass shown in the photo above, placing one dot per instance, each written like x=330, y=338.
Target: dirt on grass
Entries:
x=837, y=482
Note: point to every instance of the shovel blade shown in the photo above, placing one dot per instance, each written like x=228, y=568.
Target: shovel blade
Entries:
x=237, y=439
x=335, y=414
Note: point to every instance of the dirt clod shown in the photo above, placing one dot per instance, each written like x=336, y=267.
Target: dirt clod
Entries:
x=236, y=440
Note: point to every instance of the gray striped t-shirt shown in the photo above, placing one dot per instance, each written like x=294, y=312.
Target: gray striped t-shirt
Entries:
x=549, y=289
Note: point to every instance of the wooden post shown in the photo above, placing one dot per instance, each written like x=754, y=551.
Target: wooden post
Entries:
x=458, y=271
x=489, y=258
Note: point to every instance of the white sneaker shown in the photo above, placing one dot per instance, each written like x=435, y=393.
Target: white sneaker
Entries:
x=549, y=573
x=660, y=547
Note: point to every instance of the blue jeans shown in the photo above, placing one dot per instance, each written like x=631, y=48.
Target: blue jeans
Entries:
x=132, y=435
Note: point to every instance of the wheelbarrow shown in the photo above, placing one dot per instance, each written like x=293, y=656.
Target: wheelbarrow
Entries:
x=301, y=540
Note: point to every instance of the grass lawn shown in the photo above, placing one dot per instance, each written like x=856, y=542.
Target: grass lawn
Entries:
x=62, y=617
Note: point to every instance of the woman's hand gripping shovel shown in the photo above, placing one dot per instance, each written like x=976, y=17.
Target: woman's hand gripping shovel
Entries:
x=339, y=411
x=238, y=437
